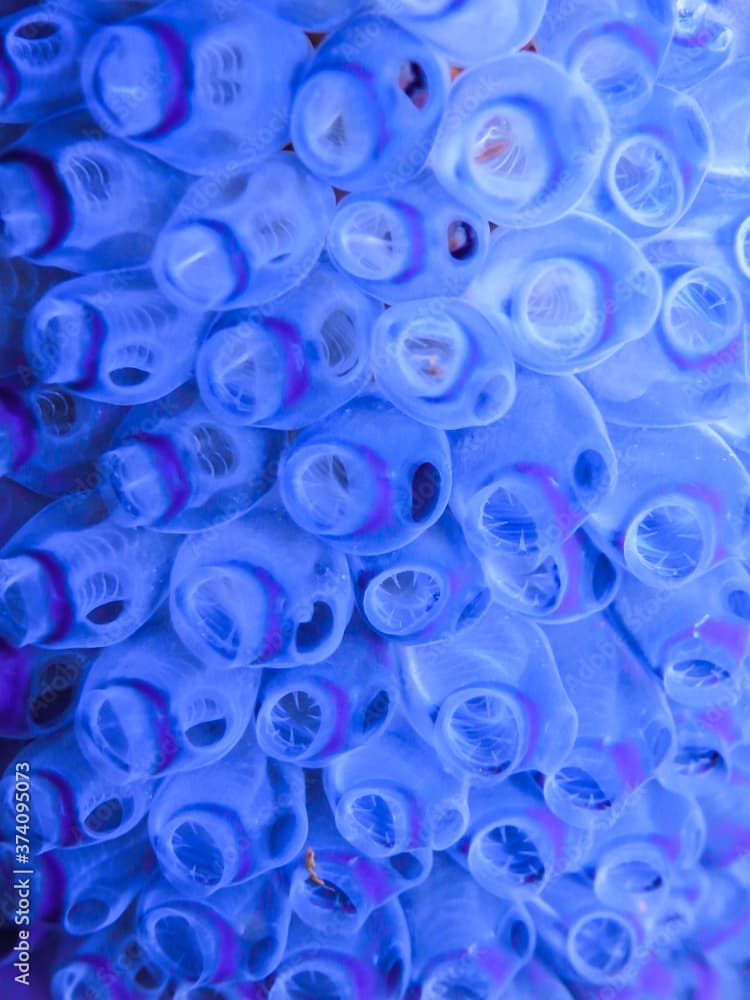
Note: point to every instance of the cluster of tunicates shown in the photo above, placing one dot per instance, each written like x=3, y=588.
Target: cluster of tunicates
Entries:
x=374, y=500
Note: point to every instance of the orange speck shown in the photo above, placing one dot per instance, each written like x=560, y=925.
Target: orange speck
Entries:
x=310, y=866
x=491, y=151
x=432, y=366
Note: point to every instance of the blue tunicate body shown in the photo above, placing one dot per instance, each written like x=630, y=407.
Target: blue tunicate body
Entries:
x=215, y=89
x=367, y=110
x=76, y=198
